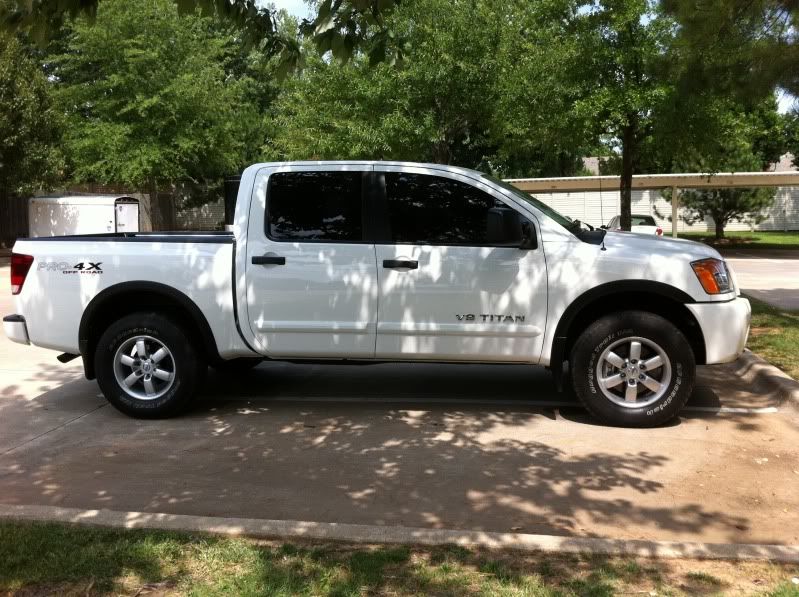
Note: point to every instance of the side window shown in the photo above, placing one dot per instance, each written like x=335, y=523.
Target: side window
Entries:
x=425, y=209
x=314, y=206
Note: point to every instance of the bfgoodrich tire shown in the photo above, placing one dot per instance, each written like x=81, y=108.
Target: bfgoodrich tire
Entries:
x=147, y=366
x=633, y=369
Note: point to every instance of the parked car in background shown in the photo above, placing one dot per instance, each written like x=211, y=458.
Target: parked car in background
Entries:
x=639, y=223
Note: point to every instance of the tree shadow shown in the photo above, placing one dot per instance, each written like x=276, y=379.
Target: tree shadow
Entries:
x=457, y=447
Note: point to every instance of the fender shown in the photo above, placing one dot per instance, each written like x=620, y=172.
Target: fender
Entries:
x=169, y=295
x=620, y=287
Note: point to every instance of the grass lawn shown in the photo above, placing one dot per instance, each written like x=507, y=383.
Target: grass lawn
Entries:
x=775, y=336
x=44, y=559
x=749, y=240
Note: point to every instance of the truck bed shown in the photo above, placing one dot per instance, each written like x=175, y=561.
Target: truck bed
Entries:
x=69, y=272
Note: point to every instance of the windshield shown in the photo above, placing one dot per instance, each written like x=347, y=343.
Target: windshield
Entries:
x=643, y=221
x=569, y=224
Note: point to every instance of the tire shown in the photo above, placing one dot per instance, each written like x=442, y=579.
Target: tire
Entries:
x=164, y=381
x=236, y=366
x=633, y=395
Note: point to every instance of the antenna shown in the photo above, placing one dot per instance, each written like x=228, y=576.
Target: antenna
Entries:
x=601, y=201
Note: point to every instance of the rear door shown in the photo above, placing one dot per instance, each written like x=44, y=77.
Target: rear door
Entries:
x=311, y=278
x=445, y=292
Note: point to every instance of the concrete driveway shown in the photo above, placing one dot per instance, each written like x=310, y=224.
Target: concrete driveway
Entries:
x=437, y=446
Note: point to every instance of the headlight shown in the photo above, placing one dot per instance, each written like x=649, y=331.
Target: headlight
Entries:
x=713, y=275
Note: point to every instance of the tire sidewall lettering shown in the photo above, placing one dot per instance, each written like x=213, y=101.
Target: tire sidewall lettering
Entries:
x=591, y=369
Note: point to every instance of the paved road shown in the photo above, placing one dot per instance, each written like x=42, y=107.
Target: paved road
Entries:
x=445, y=446
x=774, y=280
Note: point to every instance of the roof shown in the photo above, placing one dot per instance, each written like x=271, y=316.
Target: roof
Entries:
x=444, y=167
x=80, y=199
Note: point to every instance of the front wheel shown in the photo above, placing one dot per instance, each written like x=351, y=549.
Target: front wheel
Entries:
x=147, y=366
x=633, y=369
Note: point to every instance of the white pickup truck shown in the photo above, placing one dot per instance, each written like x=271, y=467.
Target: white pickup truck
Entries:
x=383, y=261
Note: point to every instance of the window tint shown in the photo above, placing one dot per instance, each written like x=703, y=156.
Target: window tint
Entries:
x=315, y=206
x=439, y=211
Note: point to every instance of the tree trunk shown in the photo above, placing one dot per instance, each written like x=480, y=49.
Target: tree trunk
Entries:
x=719, y=229
x=627, y=167
x=160, y=208
x=155, y=207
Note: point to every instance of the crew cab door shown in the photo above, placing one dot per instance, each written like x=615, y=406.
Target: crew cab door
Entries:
x=311, y=287
x=446, y=291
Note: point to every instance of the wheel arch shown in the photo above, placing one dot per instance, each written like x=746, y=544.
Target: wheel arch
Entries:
x=126, y=297
x=643, y=295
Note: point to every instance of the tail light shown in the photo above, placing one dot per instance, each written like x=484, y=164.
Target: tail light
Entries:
x=20, y=265
x=659, y=231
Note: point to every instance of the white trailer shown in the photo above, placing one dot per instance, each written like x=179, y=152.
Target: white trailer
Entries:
x=82, y=214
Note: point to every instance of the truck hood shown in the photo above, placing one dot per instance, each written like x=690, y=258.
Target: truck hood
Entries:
x=649, y=243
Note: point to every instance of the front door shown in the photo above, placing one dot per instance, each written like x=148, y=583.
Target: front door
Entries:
x=445, y=292
x=311, y=278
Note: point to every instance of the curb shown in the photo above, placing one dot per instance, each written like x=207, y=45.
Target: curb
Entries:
x=357, y=533
x=755, y=370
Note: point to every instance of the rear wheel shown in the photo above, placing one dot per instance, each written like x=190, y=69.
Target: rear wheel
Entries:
x=147, y=365
x=633, y=369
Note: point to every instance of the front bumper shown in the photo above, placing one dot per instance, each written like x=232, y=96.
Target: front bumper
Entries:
x=16, y=329
x=725, y=327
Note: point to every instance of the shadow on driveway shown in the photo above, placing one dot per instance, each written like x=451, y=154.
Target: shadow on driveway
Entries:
x=459, y=447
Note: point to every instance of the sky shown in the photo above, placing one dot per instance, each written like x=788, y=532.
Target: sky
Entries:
x=296, y=7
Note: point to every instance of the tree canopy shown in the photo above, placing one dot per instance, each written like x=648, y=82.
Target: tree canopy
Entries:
x=30, y=155
x=154, y=91
x=150, y=96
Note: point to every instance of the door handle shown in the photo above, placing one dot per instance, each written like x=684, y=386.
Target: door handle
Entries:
x=400, y=264
x=268, y=260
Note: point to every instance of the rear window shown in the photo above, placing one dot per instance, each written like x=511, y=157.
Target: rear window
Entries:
x=315, y=206
x=643, y=221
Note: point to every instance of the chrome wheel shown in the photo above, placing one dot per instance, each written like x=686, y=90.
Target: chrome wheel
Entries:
x=633, y=372
x=144, y=367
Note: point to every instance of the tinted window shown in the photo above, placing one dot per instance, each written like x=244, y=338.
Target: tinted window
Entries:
x=438, y=211
x=643, y=221
x=320, y=206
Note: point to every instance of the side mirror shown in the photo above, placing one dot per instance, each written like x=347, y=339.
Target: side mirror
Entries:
x=506, y=228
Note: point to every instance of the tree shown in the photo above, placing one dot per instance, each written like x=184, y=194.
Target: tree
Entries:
x=755, y=139
x=726, y=205
x=739, y=47
x=151, y=98
x=446, y=102
x=29, y=124
x=619, y=66
x=437, y=106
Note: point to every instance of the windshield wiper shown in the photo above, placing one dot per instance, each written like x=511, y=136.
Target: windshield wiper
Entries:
x=575, y=226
